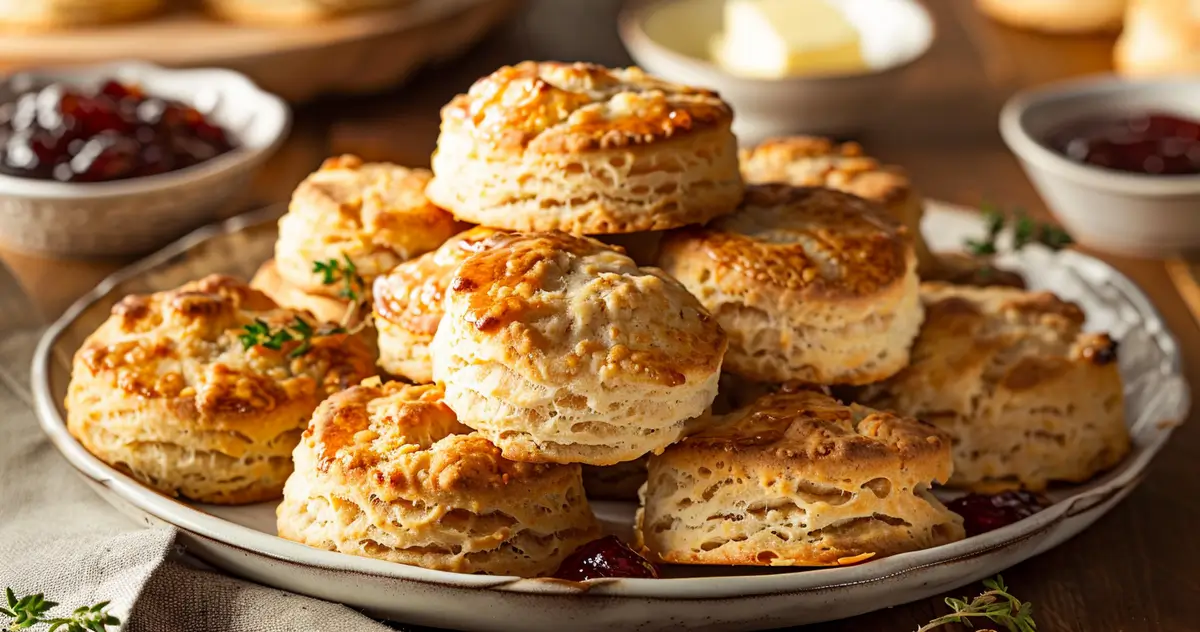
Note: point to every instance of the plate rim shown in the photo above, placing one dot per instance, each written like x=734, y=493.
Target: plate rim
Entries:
x=194, y=520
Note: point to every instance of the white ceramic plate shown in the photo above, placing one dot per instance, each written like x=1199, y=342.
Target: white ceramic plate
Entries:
x=242, y=541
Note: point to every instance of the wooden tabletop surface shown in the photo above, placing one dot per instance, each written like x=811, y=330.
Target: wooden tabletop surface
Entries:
x=1138, y=568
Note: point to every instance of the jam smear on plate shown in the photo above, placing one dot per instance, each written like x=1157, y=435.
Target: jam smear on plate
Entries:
x=986, y=512
x=114, y=132
x=606, y=557
x=1153, y=143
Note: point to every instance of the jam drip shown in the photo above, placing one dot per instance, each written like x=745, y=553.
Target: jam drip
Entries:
x=982, y=513
x=115, y=132
x=1153, y=143
x=606, y=557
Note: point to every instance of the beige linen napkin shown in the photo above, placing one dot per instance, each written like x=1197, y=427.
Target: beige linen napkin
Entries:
x=57, y=537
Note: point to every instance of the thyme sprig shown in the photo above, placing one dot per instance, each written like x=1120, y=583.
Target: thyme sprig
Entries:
x=996, y=604
x=333, y=271
x=1025, y=230
x=260, y=333
x=31, y=610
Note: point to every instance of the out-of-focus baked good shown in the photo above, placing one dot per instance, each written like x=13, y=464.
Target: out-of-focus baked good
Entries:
x=811, y=161
x=293, y=12
x=962, y=269
x=325, y=308
x=49, y=15
x=1161, y=37
x=167, y=391
x=585, y=149
x=797, y=479
x=811, y=284
x=1057, y=16
x=408, y=304
x=615, y=482
x=559, y=349
x=1028, y=397
x=386, y=471
x=375, y=215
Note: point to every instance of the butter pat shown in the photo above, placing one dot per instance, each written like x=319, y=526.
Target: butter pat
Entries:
x=780, y=38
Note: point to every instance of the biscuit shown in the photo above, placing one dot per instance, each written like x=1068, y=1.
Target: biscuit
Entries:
x=375, y=215
x=561, y=350
x=810, y=161
x=51, y=15
x=408, y=304
x=293, y=12
x=585, y=149
x=167, y=391
x=797, y=479
x=325, y=308
x=387, y=472
x=811, y=284
x=1028, y=397
x=1057, y=16
x=1161, y=37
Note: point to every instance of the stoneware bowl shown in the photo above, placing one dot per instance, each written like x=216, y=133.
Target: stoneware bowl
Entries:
x=670, y=38
x=1124, y=213
x=141, y=214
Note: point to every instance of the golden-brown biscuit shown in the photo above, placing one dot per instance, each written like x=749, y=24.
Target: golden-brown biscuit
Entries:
x=1057, y=16
x=1161, y=37
x=362, y=217
x=1028, y=397
x=50, y=15
x=387, y=472
x=811, y=161
x=293, y=12
x=811, y=284
x=562, y=350
x=797, y=479
x=585, y=149
x=325, y=308
x=408, y=304
x=174, y=390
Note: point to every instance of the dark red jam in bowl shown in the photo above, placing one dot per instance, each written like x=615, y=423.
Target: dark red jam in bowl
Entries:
x=1154, y=143
x=606, y=557
x=987, y=512
x=114, y=132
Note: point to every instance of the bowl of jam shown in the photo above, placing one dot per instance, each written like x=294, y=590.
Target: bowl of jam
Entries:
x=1116, y=160
x=122, y=158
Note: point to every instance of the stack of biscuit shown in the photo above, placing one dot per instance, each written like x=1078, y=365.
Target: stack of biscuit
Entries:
x=529, y=362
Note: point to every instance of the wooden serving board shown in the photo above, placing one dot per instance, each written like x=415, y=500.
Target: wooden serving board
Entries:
x=354, y=54
x=1185, y=275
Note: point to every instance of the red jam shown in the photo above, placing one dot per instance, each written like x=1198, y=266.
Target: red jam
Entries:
x=606, y=557
x=1154, y=143
x=59, y=132
x=982, y=513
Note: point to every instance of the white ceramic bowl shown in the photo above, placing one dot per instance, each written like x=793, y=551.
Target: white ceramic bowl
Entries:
x=669, y=38
x=140, y=214
x=1125, y=213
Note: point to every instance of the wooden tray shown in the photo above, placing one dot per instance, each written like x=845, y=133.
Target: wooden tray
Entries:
x=355, y=54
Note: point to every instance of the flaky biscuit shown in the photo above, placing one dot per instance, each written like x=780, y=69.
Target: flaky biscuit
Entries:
x=387, y=472
x=585, y=149
x=167, y=391
x=811, y=284
x=50, y=15
x=408, y=304
x=325, y=308
x=374, y=214
x=811, y=161
x=562, y=350
x=293, y=12
x=797, y=479
x=1028, y=397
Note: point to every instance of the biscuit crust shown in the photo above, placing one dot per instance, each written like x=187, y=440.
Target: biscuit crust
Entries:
x=51, y=15
x=585, y=149
x=560, y=349
x=1027, y=395
x=374, y=214
x=165, y=391
x=386, y=471
x=812, y=161
x=812, y=285
x=797, y=479
x=408, y=304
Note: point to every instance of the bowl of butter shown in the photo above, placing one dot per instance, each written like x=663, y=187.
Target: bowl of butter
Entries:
x=786, y=66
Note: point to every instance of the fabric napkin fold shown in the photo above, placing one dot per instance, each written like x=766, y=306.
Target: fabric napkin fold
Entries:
x=59, y=538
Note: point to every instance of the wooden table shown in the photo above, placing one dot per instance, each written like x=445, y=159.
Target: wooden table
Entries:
x=1138, y=569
